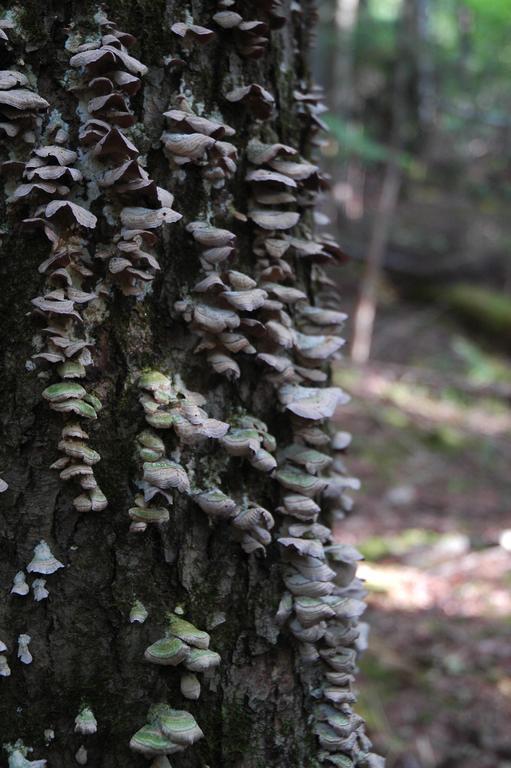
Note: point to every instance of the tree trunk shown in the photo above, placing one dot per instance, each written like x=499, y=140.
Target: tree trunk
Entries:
x=117, y=272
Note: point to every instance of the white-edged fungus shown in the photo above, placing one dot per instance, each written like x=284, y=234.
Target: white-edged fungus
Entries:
x=24, y=654
x=85, y=722
x=43, y=561
x=5, y=669
x=81, y=756
x=190, y=686
x=20, y=586
x=138, y=613
x=39, y=590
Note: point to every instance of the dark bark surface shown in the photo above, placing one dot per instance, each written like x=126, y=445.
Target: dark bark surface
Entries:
x=254, y=707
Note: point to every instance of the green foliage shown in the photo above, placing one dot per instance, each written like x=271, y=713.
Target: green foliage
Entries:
x=484, y=309
x=354, y=141
x=379, y=547
x=482, y=368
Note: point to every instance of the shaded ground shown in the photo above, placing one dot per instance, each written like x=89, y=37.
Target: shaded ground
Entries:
x=432, y=446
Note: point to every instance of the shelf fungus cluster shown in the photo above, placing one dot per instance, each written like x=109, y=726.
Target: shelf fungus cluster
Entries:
x=166, y=732
x=267, y=318
x=21, y=108
x=250, y=35
x=108, y=76
x=171, y=406
x=49, y=179
x=200, y=141
x=220, y=312
x=18, y=756
x=43, y=562
x=166, y=407
x=279, y=317
x=86, y=725
x=323, y=599
x=78, y=458
x=171, y=730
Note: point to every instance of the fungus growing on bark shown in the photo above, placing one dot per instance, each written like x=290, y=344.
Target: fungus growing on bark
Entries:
x=138, y=613
x=199, y=660
x=85, y=722
x=43, y=560
x=200, y=140
x=262, y=316
x=105, y=96
x=168, y=651
x=5, y=670
x=167, y=406
x=249, y=37
x=19, y=107
x=183, y=644
x=39, y=590
x=176, y=724
x=258, y=100
x=216, y=504
x=24, y=654
x=18, y=757
x=192, y=31
x=49, y=173
x=190, y=686
x=20, y=586
x=81, y=755
x=187, y=632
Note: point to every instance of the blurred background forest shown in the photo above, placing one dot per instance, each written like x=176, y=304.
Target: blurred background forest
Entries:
x=419, y=153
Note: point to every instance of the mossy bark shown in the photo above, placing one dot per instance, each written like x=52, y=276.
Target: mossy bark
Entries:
x=253, y=709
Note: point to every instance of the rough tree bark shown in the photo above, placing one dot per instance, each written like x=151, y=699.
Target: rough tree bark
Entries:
x=256, y=706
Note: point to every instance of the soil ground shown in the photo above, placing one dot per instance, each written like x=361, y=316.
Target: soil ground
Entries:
x=432, y=445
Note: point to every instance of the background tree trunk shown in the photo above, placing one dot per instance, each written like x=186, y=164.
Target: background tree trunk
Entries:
x=254, y=708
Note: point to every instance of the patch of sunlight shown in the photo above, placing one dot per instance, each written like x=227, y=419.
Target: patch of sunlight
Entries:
x=464, y=585
x=379, y=547
x=347, y=376
x=394, y=417
x=420, y=403
x=442, y=436
x=482, y=367
x=504, y=687
x=385, y=10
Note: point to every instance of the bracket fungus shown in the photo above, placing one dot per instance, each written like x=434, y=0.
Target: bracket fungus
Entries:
x=138, y=613
x=192, y=31
x=108, y=76
x=24, y=654
x=194, y=139
x=81, y=755
x=43, y=560
x=169, y=730
x=20, y=108
x=249, y=37
x=19, y=585
x=190, y=686
x=5, y=670
x=258, y=317
x=39, y=590
x=184, y=644
x=167, y=406
x=259, y=101
x=50, y=176
x=85, y=722
x=18, y=757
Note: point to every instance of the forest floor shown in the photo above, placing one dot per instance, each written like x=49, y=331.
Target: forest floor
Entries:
x=432, y=445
